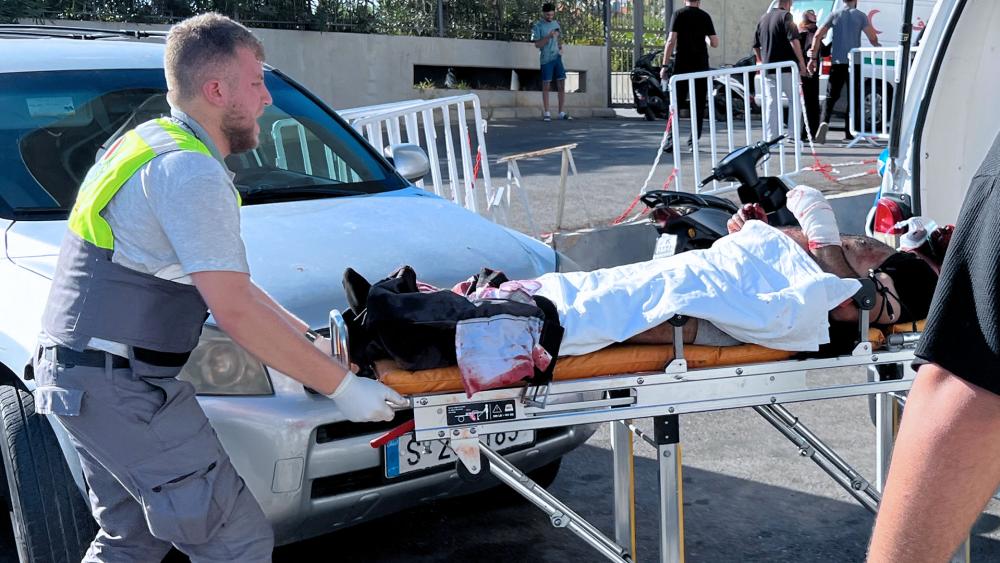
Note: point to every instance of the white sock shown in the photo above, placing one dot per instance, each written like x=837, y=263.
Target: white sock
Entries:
x=815, y=215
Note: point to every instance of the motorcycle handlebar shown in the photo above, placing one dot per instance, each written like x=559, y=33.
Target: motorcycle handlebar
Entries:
x=776, y=140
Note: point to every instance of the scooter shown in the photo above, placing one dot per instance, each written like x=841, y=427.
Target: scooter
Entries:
x=699, y=220
x=650, y=99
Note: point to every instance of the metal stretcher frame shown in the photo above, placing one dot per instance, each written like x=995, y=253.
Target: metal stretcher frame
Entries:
x=619, y=399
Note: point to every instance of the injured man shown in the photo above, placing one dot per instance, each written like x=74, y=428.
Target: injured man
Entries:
x=760, y=285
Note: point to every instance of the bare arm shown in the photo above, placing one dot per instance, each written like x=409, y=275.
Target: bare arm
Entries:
x=872, y=36
x=274, y=336
x=713, y=41
x=668, y=50
x=798, y=55
x=817, y=46
x=818, y=39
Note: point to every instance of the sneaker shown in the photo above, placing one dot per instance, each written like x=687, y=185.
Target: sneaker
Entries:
x=669, y=147
x=547, y=116
x=690, y=146
x=820, y=137
x=564, y=115
x=848, y=136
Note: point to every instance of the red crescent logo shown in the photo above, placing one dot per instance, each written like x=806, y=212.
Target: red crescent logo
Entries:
x=871, y=20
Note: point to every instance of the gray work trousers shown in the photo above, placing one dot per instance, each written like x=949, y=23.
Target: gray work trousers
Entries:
x=157, y=473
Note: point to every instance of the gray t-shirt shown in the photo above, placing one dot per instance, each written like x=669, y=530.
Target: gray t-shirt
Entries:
x=550, y=51
x=178, y=215
x=847, y=24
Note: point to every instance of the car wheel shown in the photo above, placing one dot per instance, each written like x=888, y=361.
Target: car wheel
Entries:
x=50, y=518
x=875, y=98
x=649, y=114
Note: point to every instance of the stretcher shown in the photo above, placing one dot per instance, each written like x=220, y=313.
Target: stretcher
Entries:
x=623, y=383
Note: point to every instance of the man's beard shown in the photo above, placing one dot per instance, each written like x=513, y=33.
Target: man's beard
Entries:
x=241, y=139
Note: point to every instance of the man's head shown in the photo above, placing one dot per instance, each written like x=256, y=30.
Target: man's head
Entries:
x=692, y=3
x=548, y=11
x=785, y=4
x=214, y=71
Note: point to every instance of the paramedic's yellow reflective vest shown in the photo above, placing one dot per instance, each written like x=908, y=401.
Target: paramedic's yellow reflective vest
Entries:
x=91, y=296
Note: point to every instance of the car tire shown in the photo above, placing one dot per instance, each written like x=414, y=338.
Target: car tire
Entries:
x=649, y=114
x=50, y=518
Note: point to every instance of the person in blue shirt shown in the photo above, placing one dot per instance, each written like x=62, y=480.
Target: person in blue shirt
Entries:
x=546, y=36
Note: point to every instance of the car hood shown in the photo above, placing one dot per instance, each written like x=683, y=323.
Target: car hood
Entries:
x=298, y=250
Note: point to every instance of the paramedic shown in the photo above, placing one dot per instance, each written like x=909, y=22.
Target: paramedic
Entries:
x=776, y=41
x=945, y=467
x=847, y=24
x=691, y=32
x=153, y=244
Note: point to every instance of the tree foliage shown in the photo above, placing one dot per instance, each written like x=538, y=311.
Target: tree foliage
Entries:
x=505, y=20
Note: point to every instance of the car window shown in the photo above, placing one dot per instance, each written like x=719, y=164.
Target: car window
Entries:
x=53, y=125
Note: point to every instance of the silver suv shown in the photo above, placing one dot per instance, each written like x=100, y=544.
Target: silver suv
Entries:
x=304, y=221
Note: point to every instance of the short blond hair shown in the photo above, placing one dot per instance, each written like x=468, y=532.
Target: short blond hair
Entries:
x=201, y=46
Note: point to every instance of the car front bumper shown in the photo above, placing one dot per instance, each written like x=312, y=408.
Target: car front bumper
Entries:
x=313, y=473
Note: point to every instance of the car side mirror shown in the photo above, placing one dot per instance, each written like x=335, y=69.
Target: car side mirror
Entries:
x=409, y=159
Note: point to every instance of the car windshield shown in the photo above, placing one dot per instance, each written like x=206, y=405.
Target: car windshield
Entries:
x=53, y=125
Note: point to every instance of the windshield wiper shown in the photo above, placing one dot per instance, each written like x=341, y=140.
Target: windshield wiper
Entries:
x=261, y=195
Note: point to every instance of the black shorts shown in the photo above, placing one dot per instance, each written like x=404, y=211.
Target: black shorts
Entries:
x=963, y=327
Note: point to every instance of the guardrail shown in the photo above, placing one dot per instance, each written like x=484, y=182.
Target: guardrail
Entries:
x=778, y=99
x=874, y=73
x=425, y=123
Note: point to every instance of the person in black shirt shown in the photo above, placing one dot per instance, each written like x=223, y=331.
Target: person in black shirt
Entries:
x=810, y=82
x=691, y=31
x=776, y=41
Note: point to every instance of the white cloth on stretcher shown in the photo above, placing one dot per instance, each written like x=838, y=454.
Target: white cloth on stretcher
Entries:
x=756, y=285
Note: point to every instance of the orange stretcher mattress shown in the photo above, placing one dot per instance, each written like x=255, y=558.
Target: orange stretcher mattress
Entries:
x=615, y=359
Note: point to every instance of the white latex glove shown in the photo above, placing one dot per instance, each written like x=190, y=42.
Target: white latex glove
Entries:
x=815, y=215
x=365, y=400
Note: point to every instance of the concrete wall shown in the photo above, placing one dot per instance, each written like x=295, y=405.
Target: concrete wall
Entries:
x=735, y=22
x=350, y=69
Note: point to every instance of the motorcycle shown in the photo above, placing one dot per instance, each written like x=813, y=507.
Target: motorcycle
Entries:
x=650, y=99
x=697, y=221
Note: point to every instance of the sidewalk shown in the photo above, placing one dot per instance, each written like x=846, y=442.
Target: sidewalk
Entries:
x=613, y=157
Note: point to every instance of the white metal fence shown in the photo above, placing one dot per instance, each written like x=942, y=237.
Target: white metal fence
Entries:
x=427, y=123
x=874, y=74
x=729, y=90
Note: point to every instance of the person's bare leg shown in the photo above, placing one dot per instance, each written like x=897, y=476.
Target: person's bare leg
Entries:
x=561, y=89
x=545, y=96
x=664, y=334
x=944, y=469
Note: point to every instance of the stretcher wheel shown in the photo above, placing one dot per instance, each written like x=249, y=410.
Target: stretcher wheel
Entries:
x=465, y=475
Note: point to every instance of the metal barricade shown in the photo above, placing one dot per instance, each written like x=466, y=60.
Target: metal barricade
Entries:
x=424, y=122
x=874, y=73
x=729, y=90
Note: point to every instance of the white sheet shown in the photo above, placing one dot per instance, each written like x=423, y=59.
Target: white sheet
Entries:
x=757, y=285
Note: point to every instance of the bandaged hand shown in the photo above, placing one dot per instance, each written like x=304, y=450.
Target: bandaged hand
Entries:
x=365, y=400
x=749, y=212
x=815, y=216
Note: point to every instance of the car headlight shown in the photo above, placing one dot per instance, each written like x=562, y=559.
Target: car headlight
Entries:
x=219, y=366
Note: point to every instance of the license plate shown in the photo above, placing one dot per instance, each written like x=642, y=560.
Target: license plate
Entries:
x=405, y=454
